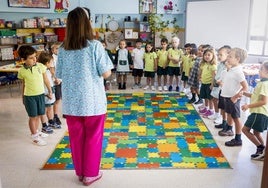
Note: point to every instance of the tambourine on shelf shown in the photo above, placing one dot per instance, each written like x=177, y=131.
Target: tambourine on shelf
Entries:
x=113, y=25
x=114, y=36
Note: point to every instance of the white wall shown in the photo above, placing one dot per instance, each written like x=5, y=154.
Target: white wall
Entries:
x=218, y=23
x=129, y=6
x=112, y=6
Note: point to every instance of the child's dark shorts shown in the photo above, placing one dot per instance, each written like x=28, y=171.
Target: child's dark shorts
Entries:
x=257, y=122
x=232, y=108
x=149, y=74
x=205, y=91
x=34, y=105
x=137, y=72
x=161, y=71
x=183, y=77
x=221, y=102
x=174, y=71
x=58, y=94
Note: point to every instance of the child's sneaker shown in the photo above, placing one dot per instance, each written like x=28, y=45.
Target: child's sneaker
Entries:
x=200, y=101
x=135, y=86
x=178, y=89
x=201, y=107
x=54, y=125
x=165, y=88
x=146, y=87
x=57, y=120
x=153, y=88
x=259, y=157
x=39, y=141
x=218, y=120
x=170, y=88
x=259, y=153
x=191, y=101
x=159, y=88
x=219, y=126
x=208, y=113
x=233, y=142
x=47, y=129
x=225, y=132
x=43, y=135
x=213, y=116
x=203, y=111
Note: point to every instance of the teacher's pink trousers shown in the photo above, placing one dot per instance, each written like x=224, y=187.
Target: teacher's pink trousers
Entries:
x=86, y=135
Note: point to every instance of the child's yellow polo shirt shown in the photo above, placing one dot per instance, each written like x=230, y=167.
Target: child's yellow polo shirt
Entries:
x=33, y=79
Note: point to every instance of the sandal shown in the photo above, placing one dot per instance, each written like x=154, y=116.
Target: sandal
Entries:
x=89, y=180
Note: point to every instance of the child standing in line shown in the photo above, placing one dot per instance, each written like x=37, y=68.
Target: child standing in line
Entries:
x=200, y=54
x=150, y=66
x=123, y=61
x=138, y=64
x=57, y=83
x=234, y=83
x=258, y=119
x=186, y=65
x=208, y=71
x=47, y=60
x=162, y=62
x=221, y=102
x=222, y=57
x=193, y=80
x=33, y=77
x=174, y=57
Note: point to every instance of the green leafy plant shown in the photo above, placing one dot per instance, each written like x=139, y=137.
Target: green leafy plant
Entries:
x=157, y=24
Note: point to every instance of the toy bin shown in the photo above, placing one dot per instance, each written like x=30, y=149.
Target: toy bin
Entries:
x=28, y=39
x=51, y=38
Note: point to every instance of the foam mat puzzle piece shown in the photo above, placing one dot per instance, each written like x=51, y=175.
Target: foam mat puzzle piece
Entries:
x=184, y=143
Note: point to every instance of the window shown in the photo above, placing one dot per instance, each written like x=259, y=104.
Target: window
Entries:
x=258, y=40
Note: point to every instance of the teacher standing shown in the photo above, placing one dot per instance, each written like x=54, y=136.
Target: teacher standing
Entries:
x=82, y=65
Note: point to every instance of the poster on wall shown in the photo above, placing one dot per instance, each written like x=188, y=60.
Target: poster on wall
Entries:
x=29, y=3
x=147, y=6
x=171, y=7
x=61, y=6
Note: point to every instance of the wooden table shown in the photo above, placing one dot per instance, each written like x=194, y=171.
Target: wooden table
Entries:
x=10, y=68
x=10, y=71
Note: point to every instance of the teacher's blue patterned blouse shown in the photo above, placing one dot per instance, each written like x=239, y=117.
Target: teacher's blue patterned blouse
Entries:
x=81, y=72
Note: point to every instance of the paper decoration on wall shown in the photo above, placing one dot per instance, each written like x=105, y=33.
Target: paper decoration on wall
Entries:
x=135, y=35
x=178, y=6
x=128, y=33
x=112, y=39
x=59, y=8
x=147, y=6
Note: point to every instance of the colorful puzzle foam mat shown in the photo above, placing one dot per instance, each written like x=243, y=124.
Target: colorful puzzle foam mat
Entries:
x=150, y=131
